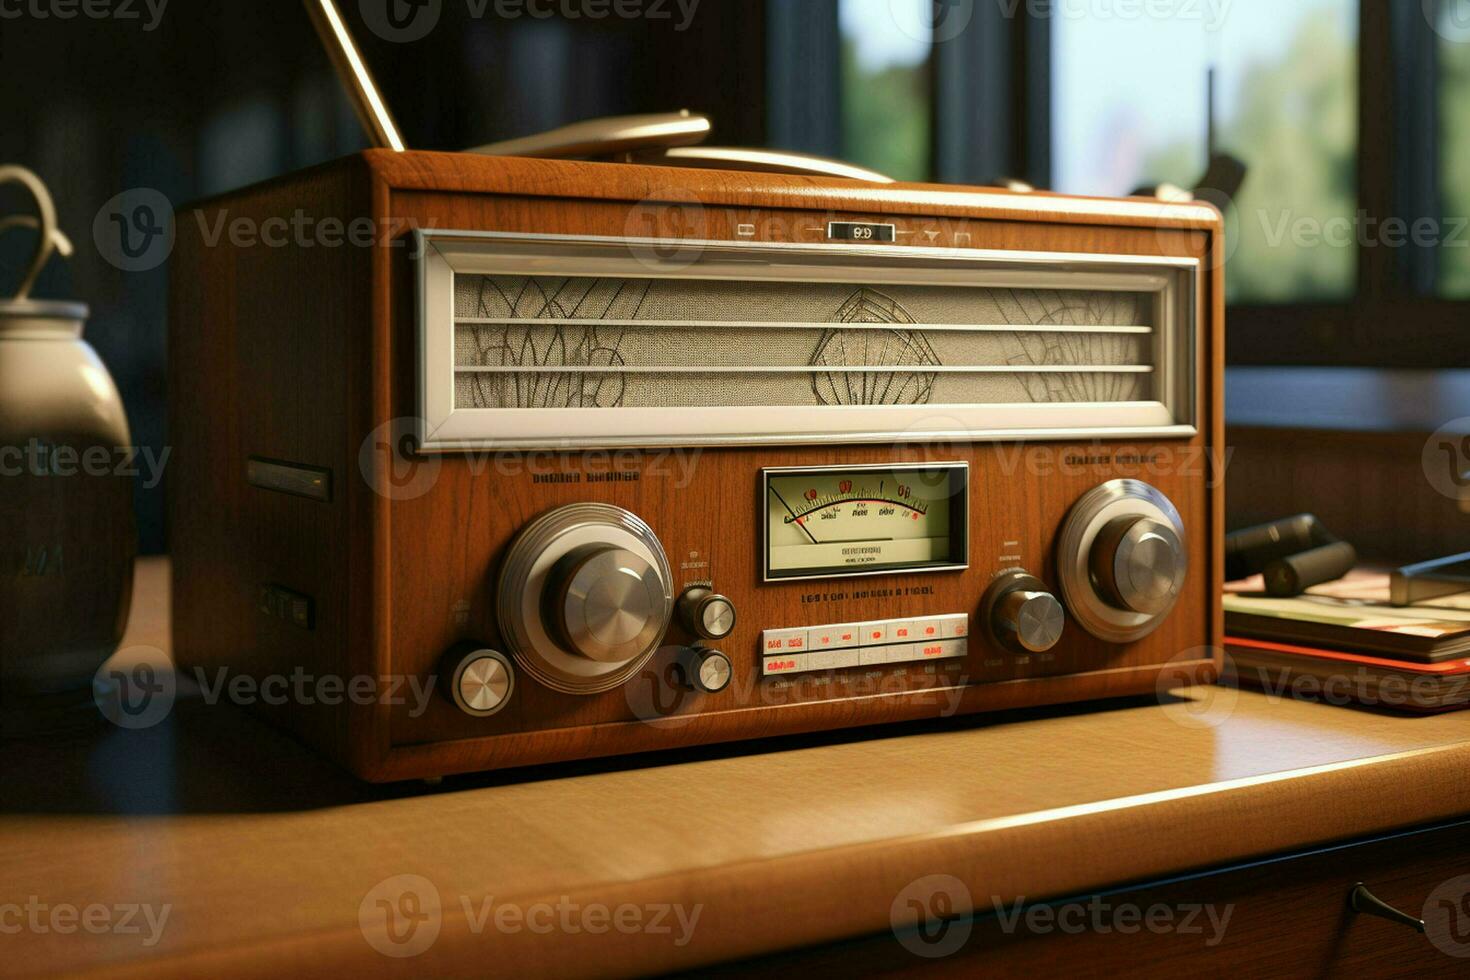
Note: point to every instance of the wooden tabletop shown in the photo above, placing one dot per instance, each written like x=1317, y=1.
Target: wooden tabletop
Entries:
x=268, y=862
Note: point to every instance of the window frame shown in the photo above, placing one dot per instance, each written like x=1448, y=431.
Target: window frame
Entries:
x=992, y=119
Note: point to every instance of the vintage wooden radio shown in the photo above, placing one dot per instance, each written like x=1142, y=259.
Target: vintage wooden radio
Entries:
x=612, y=457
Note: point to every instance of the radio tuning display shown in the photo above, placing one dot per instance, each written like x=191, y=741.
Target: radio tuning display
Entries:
x=865, y=520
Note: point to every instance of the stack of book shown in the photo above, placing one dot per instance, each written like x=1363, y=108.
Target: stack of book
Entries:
x=1343, y=643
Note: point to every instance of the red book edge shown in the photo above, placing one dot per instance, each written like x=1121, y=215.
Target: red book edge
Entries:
x=1449, y=668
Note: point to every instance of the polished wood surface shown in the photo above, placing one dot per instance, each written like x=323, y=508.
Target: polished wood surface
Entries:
x=1277, y=918
x=265, y=852
x=304, y=354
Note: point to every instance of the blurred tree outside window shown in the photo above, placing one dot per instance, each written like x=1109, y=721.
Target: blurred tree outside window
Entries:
x=1130, y=109
x=1454, y=150
x=886, y=90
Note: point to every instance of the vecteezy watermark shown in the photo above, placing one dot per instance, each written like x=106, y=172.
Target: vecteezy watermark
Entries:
x=392, y=466
x=406, y=21
x=42, y=459
x=932, y=916
x=402, y=916
x=1361, y=230
x=668, y=231
x=134, y=231
x=1193, y=693
x=1098, y=915
x=1358, y=686
x=1446, y=459
x=140, y=919
x=138, y=688
x=1446, y=916
x=934, y=21
x=1212, y=14
x=147, y=12
x=1108, y=460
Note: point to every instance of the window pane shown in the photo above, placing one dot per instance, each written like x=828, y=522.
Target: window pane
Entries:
x=1453, y=28
x=1129, y=103
x=885, y=85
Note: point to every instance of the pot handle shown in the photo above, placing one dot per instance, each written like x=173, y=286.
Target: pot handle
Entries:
x=51, y=238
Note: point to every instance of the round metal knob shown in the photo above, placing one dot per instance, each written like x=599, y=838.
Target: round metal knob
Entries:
x=706, y=670
x=477, y=680
x=706, y=614
x=1138, y=564
x=611, y=604
x=1023, y=615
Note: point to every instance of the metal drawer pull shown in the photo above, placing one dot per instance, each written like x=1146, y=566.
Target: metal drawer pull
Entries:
x=1362, y=900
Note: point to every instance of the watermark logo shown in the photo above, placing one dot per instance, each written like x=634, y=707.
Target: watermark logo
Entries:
x=401, y=916
x=41, y=459
x=391, y=465
x=119, y=10
x=134, y=231
x=1446, y=459
x=143, y=920
x=931, y=916
x=658, y=695
x=401, y=21
x=1446, y=916
x=665, y=232
x=1100, y=916
x=936, y=22
x=140, y=692
x=1210, y=702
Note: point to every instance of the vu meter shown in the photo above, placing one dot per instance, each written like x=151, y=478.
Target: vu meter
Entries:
x=865, y=520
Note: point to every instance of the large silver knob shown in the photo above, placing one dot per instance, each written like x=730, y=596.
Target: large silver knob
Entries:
x=1138, y=564
x=1023, y=616
x=609, y=605
x=1122, y=559
x=706, y=614
x=585, y=597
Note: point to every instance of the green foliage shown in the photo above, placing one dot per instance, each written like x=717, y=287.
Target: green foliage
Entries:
x=1454, y=156
x=1294, y=228
x=885, y=117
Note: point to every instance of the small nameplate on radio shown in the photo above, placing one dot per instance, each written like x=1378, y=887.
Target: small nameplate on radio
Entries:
x=859, y=231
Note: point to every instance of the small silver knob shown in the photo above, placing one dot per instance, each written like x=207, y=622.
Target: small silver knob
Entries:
x=1023, y=615
x=1138, y=564
x=611, y=604
x=706, y=614
x=478, y=681
x=706, y=670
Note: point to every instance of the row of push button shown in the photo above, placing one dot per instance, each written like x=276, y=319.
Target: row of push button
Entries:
x=898, y=653
x=817, y=638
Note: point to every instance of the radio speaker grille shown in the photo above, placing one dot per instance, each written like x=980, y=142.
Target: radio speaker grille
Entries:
x=568, y=342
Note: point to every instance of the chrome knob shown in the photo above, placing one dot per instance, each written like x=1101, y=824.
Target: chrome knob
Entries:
x=1138, y=564
x=611, y=604
x=1122, y=560
x=706, y=614
x=1023, y=615
x=584, y=598
x=705, y=670
x=477, y=680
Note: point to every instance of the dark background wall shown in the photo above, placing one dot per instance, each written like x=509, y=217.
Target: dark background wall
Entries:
x=222, y=94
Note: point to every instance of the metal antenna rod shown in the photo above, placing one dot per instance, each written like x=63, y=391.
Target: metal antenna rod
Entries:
x=353, y=72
